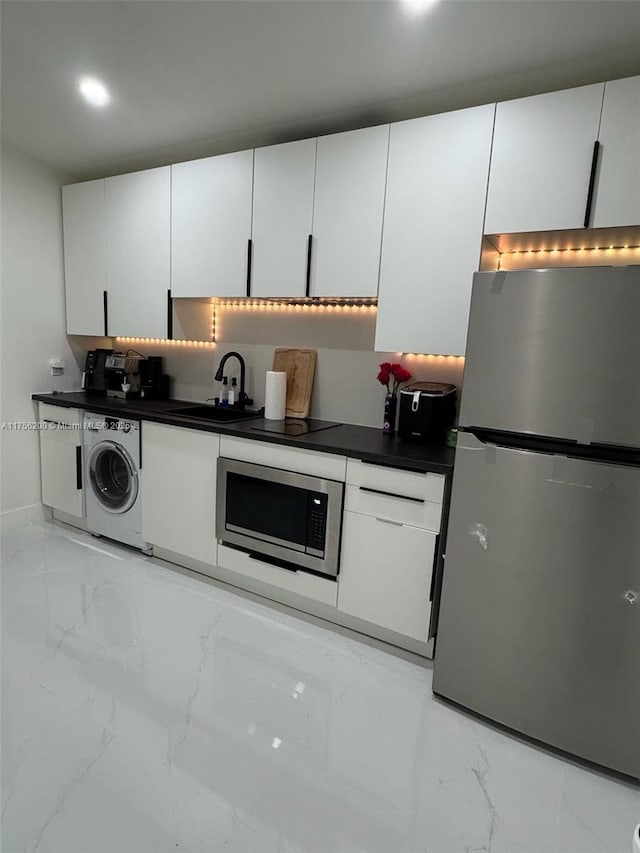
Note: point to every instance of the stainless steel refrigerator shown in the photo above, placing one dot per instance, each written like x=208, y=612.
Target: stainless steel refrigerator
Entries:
x=539, y=621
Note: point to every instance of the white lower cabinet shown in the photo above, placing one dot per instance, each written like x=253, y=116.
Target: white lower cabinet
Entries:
x=179, y=490
x=385, y=574
x=61, y=459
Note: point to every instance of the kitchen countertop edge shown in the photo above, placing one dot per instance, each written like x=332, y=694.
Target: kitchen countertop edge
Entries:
x=353, y=441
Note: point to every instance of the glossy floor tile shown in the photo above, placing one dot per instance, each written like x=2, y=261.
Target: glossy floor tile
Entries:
x=146, y=711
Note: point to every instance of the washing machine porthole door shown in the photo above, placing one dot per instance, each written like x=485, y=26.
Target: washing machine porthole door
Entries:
x=114, y=480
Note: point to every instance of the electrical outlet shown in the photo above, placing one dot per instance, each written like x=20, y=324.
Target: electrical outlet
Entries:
x=56, y=366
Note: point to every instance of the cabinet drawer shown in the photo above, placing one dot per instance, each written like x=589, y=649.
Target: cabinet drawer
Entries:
x=393, y=507
x=429, y=487
x=390, y=493
x=301, y=583
x=287, y=458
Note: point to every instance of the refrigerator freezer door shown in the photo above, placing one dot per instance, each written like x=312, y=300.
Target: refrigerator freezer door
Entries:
x=540, y=612
x=555, y=353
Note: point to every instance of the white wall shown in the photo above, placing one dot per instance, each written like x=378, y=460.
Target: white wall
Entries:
x=32, y=319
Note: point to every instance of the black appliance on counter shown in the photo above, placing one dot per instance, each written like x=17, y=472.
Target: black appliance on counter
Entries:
x=94, y=378
x=130, y=376
x=427, y=410
x=122, y=376
x=153, y=383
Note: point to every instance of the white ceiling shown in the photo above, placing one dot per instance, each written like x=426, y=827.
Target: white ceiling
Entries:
x=192, y=78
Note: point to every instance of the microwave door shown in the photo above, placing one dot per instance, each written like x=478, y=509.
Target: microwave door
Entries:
x=269, y=511
x=290, y=517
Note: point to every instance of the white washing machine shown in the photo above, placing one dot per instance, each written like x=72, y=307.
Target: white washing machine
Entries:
x=112, y=478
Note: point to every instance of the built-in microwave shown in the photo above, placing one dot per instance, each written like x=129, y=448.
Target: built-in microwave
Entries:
x=291, y=518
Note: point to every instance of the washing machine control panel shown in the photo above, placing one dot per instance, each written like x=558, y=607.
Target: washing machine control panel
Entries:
x=117, y=424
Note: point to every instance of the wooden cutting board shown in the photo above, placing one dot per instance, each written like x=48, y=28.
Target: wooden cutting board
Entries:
x=300, y=367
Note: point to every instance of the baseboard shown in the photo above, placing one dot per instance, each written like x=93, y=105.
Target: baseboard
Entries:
x=12, y=519
x=328, y=616
x=72, y=520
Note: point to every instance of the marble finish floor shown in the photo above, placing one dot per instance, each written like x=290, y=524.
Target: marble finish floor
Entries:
x=148, y=711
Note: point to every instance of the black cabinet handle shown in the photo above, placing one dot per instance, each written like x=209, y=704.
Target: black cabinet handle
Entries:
x=434, y=567
x=391, y=495
x=249, y=262
x=169, y=316
x=79, y=467
x=307, y=288
x=105, y=312
x=436, y=594
x=271, y=561
x=592, y=183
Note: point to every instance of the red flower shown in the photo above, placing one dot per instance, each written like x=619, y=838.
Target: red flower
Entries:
x=400, y=373
x=392, y=373
x=385, y=373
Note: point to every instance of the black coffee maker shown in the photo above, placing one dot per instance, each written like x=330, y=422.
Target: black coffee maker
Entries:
x=154, y=384
x=94, y=378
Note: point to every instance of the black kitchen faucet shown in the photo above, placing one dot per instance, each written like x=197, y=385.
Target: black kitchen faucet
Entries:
x=243, y=399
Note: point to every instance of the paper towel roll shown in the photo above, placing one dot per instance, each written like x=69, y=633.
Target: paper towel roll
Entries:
x=275, y=395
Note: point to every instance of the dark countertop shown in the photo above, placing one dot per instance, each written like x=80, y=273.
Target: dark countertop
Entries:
x=357, y=442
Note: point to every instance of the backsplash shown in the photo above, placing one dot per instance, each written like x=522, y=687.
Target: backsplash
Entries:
x=345, y=387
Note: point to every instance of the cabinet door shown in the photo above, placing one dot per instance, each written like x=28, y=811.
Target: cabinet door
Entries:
x=385, y=574
x=282, y=216
x=179, y=490
x=436, y=192
x=61, y=459
x=85, y=274
x=347, y=213
x=138, y=247
x=541, y=161
x=211, y=225
x=617, y=197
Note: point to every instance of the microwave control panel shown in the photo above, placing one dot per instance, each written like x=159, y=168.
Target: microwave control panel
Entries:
x=316, y=523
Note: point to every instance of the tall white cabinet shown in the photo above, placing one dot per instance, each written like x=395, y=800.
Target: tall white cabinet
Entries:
x=617, y=193
x=283, y=186
x=347, y=212
x=436, y=191
x=138, y=217
x=83, y=208
x=211, y=225
x=541, y=161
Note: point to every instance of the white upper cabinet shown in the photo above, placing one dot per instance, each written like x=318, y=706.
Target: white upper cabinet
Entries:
x=617, y=195
x=541, y=161
x=211, y=225
x=283, y=183
x=347, y=212
x=436, y=192
x=83, y=215
x=138, y=209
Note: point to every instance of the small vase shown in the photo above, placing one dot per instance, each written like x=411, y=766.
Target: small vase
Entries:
x=390, y=408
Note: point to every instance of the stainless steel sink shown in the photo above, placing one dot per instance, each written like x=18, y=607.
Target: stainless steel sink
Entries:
x=215, y=413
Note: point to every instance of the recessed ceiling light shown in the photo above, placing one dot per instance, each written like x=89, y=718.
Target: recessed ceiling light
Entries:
x=94, y=91
x=416, y=7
